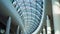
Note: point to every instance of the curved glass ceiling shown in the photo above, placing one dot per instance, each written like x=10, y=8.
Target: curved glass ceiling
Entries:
x=31, y=11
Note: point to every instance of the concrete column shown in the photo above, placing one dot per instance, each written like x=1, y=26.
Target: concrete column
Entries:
x=44, y=31
x=48, y=26
x=8, y=26
x=56, y=15
x=17, y=30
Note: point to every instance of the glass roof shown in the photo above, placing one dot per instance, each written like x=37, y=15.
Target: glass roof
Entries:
x=31, y=11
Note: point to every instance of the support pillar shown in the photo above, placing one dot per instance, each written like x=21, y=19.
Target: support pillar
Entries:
x=56, y=15
x=48, y=26
x=17, y=30
x=44, y=31
x=8, y=25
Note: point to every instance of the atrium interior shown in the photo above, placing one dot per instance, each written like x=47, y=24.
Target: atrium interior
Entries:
x=29, y=16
